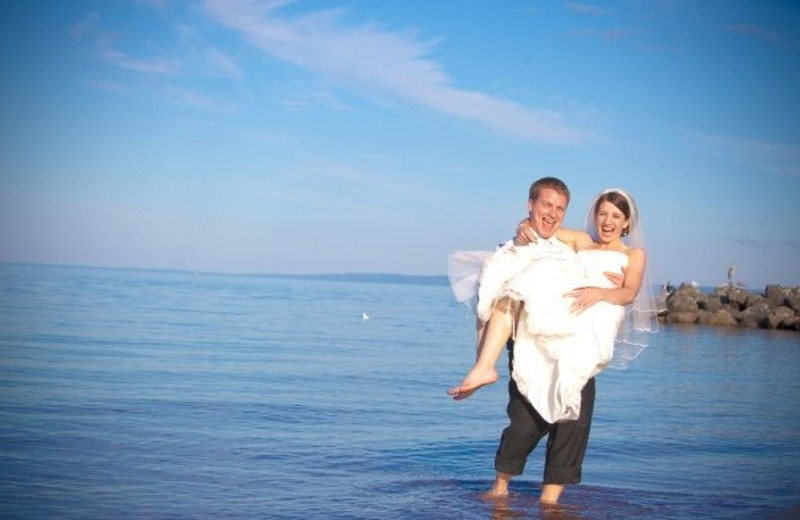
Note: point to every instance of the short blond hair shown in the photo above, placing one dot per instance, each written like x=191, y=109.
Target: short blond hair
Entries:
x=548, y=182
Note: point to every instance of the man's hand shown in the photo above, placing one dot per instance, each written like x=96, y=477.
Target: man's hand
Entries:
x=525, y=234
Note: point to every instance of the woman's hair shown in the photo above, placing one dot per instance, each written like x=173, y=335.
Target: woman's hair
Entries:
x=548, y=182
x=621, y=202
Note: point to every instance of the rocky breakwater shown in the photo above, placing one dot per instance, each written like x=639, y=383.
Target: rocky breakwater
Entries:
x=776, y=308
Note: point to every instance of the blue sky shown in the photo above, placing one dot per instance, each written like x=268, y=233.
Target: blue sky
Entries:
x=378, y=136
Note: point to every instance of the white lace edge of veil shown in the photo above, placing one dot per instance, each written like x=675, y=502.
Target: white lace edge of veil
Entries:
x=641, y=316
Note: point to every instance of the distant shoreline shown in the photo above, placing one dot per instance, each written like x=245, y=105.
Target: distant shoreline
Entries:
x=408, y=279
x=359, y=277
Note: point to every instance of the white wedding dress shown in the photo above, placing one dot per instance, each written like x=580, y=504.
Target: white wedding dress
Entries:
x=555, y=351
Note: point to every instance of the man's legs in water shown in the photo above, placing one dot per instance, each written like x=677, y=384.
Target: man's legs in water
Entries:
x=566, y=445
x=566, y=448
x=521, y=436
x=550, y=492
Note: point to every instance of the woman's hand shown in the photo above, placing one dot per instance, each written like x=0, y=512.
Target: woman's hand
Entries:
x=525, y=234
x=584, y=297
x=616, y=278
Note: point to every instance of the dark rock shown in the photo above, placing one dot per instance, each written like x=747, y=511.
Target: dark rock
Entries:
x=791, y=323
x=711, y=303
x=777, y=317
x=776, y=294
x=755, y=316
x=732, y=308
x=793, y=300
x=682, y=317
x=751, y=323
x=777, y=308
x=754, y=300
x=738, y=296
x=720, y=317
x=684, y=299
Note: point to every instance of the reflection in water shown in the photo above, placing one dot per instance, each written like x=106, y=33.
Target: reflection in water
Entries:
x=559, y=512
x=524, y=505
x=501, y=507
x=503, y=510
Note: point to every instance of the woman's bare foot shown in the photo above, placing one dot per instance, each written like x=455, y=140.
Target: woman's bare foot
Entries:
x=476, y=378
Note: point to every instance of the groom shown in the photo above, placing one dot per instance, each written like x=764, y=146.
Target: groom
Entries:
x=567, y=441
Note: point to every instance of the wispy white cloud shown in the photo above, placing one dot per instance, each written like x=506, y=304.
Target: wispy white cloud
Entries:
x=151, y=66
x=357, y=178
x=87, y=25
x=379, y=63
x=224, y=64
x=301, y=95
x=198, y=100
x=579, y=8
x=187, y=34
x=779, y=158
x=763, y=33
x=210, y=62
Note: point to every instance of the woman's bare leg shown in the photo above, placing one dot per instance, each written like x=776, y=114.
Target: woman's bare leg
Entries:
x=492, y=339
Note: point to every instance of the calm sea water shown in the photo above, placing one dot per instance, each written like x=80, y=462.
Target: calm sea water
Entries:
x=144, y=394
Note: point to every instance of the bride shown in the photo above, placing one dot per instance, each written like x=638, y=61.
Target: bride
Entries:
x=563, y=309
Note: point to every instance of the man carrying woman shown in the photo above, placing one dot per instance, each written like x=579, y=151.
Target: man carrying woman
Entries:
x=561, y=296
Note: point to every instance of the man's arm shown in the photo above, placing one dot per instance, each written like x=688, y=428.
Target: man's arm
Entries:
x=525, y=234
x=575, y=239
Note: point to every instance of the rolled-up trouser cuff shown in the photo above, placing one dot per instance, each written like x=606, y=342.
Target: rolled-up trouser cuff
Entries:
x=564, y=475
x=512, y=467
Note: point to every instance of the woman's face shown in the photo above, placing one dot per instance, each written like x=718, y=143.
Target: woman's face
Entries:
x=610, y=222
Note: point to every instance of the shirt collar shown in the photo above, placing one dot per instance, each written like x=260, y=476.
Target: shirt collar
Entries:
x=552, y=240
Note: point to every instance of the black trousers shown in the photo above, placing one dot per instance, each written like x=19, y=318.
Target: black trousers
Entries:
x=566, y=442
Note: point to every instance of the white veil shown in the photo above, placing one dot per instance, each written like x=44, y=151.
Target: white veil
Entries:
x=641, y=316
x=463, y=271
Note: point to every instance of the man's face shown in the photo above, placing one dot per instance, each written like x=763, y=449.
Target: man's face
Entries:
x=547, y=212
